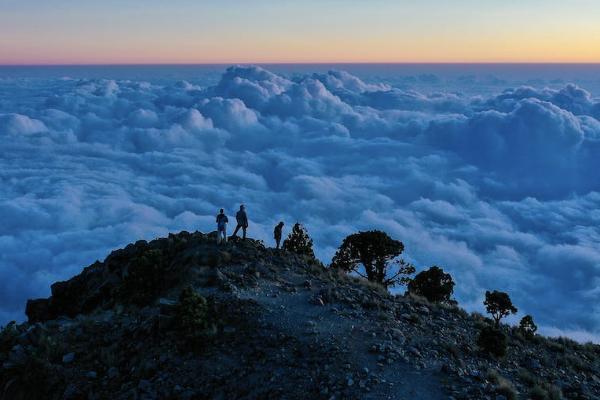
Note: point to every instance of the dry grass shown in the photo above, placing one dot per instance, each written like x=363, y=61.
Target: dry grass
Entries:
x=545, y=392
x=527, y=377
x=419, y=299
x=503, y=385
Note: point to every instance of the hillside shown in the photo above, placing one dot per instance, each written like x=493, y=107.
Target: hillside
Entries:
x=182, y=318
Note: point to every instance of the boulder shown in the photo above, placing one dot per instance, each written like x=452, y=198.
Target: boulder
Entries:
x=38, y=310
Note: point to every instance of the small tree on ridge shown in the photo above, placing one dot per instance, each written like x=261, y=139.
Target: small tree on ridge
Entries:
x=433, y=284
x=499, y=305
x=527, y=327
x=376, y=252
x=299, y=242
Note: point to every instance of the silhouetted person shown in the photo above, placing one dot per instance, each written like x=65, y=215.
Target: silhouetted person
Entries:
x=277, y=233
x=222, y=221
x=242, y=221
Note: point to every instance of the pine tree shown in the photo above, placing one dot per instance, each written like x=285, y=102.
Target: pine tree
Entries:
x=299, y=242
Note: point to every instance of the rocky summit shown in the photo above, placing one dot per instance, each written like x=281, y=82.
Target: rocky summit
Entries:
x=183, y=318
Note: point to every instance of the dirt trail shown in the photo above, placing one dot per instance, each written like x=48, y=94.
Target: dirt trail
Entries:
x=291, y=307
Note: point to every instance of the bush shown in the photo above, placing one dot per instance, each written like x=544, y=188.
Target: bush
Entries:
x=545, y=392
x=145, y=277
x=492, y=341
x=194, y=319
x=32, y=380
x=8, y=337
x=507, y=389
x=433, y=284
x=376, y=252
x=527, y=327
x=538, y=393
x=527, y=377
x=499, y=305
x=503, y=386
x=299, y=242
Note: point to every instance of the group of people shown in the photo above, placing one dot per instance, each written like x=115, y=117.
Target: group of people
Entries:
x=242, y=223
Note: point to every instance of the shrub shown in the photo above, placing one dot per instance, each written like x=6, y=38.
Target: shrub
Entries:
x=376, y=252
x=498, y=304
x=145, y=277
x=492, y=341
x=8, y=337
x=527, y=377
x=433, y=284
x=453, y=350
x=555, y=346
x=50, y=348
x=32, y=380
x=527, y=327
x=538, y=393
x=299, y=242
x=503, y=386
x=193, y=318
x=545, y=392
x=507, y=389
x=567, y=342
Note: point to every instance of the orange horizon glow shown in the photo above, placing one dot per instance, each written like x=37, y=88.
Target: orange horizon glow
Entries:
x=266, y=32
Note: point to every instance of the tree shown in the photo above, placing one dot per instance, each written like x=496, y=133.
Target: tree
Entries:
x=527, y=327
x=376, y=252
x=499, y=305
x=299, y=242
x=433, y=284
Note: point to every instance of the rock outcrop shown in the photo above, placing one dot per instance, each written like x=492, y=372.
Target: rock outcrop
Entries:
x=183, y=318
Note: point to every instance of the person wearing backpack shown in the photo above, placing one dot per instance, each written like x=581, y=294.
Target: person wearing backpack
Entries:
x=222, y=221
x=277, y=233
x=242, y=222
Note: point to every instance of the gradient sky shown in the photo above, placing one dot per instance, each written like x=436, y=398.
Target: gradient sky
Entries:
x=263, y=31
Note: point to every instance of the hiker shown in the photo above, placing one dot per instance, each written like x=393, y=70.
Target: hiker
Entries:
x=222, y=221
x=277, y=232
x=242, y=222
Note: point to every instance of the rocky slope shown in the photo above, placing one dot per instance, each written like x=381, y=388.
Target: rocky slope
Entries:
x=182, y=318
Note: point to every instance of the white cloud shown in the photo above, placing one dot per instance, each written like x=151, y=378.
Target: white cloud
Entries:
x=17, y=124
x=497, y=190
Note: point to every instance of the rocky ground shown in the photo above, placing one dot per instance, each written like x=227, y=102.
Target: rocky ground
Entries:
x=259, y=323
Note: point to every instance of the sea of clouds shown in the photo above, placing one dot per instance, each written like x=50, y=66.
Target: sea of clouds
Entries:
x=502, y=190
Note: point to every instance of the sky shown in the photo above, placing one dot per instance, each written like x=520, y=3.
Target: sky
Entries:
x=309, y=31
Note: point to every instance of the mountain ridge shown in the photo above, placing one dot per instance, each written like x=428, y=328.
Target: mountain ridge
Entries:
x=182, y=318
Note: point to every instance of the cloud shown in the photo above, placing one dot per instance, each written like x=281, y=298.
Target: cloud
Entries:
x=570, y=98
x=254, y=86
x=17, y=124
x=496, y=188
x=523, y=147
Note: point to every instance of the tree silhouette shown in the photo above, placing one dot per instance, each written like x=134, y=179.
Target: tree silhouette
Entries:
x=433, y=284
x=527, y=327
x=299, y=242
x=376, y=252
x=499, y=305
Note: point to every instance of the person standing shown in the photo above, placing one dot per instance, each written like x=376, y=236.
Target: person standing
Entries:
x=277, y=233
x=222, y=221
x=242, y=221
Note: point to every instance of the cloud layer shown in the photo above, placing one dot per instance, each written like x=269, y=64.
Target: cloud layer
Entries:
x=500, y=190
